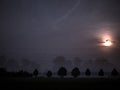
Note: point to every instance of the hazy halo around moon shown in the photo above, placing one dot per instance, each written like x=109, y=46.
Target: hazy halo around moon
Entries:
x=107, y=43
x=105, y=35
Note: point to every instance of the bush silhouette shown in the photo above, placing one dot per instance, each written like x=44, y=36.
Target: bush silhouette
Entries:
x=62, y=72
x=87, y=72
x=101, y=72
x=35, y=72
x=114, y=72
x=49, y=74
x=75, y=72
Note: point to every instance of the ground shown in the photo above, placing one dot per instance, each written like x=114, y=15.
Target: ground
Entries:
x=59, y=83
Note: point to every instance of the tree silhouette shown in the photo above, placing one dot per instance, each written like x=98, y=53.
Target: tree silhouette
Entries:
x=21, y=73
x=35, y=72
x=87, y=72
x=58, y=62
x=3, y=61
x=28, y=65
x=3, y=72
x=114, y=72
x=101, y=72
x=62, y=72
x=75, y=72
x=12, y=64
x=49, y=74
x=77, y=61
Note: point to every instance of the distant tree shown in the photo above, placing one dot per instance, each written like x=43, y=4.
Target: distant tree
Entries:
x=114, y=72
x=22, y=73
x=12, y=64
x=101, y=72
x=62, y=72
x=49, y=74
x=58, y=62
x=3, y=61
x=35, y=72
x=27, y=64
x=27, y=74
x=19, y=74
x=75, y=72
x=13, y=74
x=77, y=61
x=3, y=72
x=87, y=72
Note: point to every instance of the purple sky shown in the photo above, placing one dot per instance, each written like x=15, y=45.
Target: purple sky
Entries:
x=40, y=30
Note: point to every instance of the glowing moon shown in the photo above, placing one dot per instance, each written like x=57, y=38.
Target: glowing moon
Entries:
x=107, y=42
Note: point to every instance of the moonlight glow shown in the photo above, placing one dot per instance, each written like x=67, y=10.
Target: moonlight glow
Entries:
x=107, y=42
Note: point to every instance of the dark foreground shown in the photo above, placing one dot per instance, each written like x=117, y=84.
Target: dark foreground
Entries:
x=59, y=84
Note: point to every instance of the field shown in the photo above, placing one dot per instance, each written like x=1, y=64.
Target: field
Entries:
x=42, y=83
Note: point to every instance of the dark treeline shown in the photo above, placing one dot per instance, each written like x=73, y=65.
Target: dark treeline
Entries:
x=62, y=72
x=29, y=64
x=58, y=61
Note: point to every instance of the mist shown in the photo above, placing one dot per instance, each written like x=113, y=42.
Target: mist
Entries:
x=41, y=30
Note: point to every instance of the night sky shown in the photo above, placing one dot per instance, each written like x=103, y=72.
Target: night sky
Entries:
x=35, y=32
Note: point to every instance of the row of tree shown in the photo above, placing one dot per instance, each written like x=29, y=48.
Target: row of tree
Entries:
x=76, y=72
x=61, y=72
x=58, y=61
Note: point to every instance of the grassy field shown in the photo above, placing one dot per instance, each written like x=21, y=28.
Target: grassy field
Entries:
x=59, y=83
